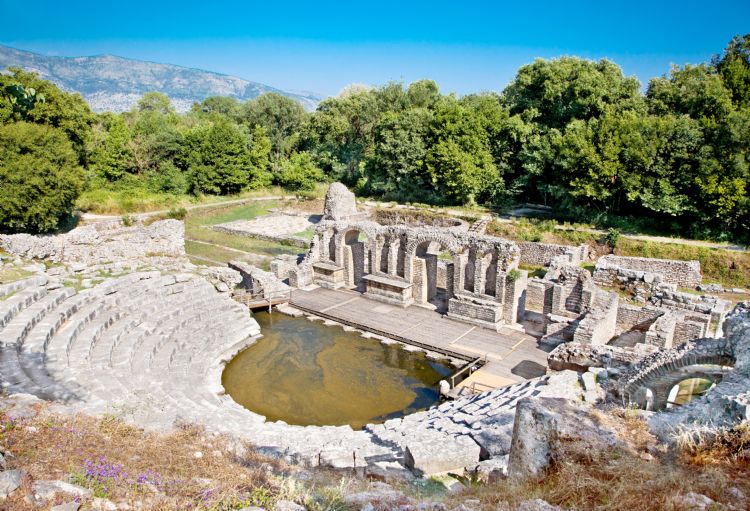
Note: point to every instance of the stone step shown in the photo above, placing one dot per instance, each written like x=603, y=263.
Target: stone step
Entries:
x=38, y=338
x=58, y=347
x=80, y=352
x=11, y=306
x=15, y=332
x=14, y=287
x=12, y=376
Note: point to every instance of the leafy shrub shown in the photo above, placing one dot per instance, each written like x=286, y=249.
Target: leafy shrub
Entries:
x=299, y=173
x=168, y=178
x=40, y=178
x=612, y=237
x=177, y=213
x=127, y=220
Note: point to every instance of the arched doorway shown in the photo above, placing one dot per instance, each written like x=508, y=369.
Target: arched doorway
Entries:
x=432, y=275
x=354, y=257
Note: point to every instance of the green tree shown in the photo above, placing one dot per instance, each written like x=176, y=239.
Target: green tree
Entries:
x=219, y=160
x=40, y=177
x=560, y=90
x=218, y=105
x=68, y=112
x=397, y=165
x=282, y=119
x=734, y=68
x=423, y=93
x=113, y=158
x=459, y=161
x=299, y=173
x=155, y=102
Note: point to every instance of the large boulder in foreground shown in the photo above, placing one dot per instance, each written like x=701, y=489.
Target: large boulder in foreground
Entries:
x=431, y=453
x=544, y=426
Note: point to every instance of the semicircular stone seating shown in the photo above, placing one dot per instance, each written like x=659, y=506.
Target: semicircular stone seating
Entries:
x=151, y=347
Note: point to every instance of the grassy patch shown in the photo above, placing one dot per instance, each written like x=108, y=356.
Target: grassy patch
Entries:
x=138, y=198
x=198, y=228
x=11, y=273
x=534, y=271
x=306, y=234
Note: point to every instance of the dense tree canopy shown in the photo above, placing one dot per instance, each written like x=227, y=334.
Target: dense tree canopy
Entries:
x=40, y=177
x=575, y=134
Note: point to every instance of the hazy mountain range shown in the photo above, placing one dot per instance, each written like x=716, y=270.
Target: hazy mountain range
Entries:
x=111, y=83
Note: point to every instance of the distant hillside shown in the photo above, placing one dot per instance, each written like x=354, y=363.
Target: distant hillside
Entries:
x=114, y=84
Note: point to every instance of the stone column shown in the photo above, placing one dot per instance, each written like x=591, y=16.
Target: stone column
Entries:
x=450, y=275
x=480, y=267
x=459, y=263
x=419, y=281
x=393, y=249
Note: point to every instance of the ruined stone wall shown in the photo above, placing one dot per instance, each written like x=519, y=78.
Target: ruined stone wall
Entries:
x=681, y=273
x=639, y=318
x=539, y=295
x=714, y=308
x=542, y=254
x=259, y=281
x=598, y=326
x=641, y=284
x=102, y=242
x=283, y=265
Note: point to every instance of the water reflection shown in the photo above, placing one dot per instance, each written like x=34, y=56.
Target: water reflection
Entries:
x=305, y=373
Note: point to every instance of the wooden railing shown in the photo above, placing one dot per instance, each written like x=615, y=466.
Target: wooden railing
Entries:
x=255, y=299
x=470, y=368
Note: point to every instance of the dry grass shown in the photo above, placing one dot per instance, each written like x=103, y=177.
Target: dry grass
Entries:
x=144, y=470
x=640, y=476
x=727, y=446
x=126, y=465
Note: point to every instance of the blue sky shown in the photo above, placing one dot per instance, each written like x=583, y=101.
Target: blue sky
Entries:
x=323, y=46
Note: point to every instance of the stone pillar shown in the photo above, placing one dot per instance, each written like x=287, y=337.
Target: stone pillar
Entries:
x=393, y=250
x=431, y=264
x=325, y=247
x=348, y=266
x=513, y=296
x=459, y=273
x=480, y=266
x=420, y=285
x=450, y=272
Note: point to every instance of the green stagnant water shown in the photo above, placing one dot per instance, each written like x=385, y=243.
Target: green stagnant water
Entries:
x=306, y=373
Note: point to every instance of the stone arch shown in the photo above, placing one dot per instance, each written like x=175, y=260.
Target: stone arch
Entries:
x=432, y=278
x=352, y=254
x=660, y=372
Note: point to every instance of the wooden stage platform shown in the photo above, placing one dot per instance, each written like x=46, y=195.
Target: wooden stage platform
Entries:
x=512, y=356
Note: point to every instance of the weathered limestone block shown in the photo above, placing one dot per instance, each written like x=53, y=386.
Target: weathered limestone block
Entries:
x=223, y=279
x=491, y=471
x=10, y=481
x=260, y=282
x=282, y=266
x=430, y=453
x=543, y=425
x=340, y=203
x=599, y=324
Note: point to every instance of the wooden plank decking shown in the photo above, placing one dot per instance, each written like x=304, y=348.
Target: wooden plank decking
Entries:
x=512, y=355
